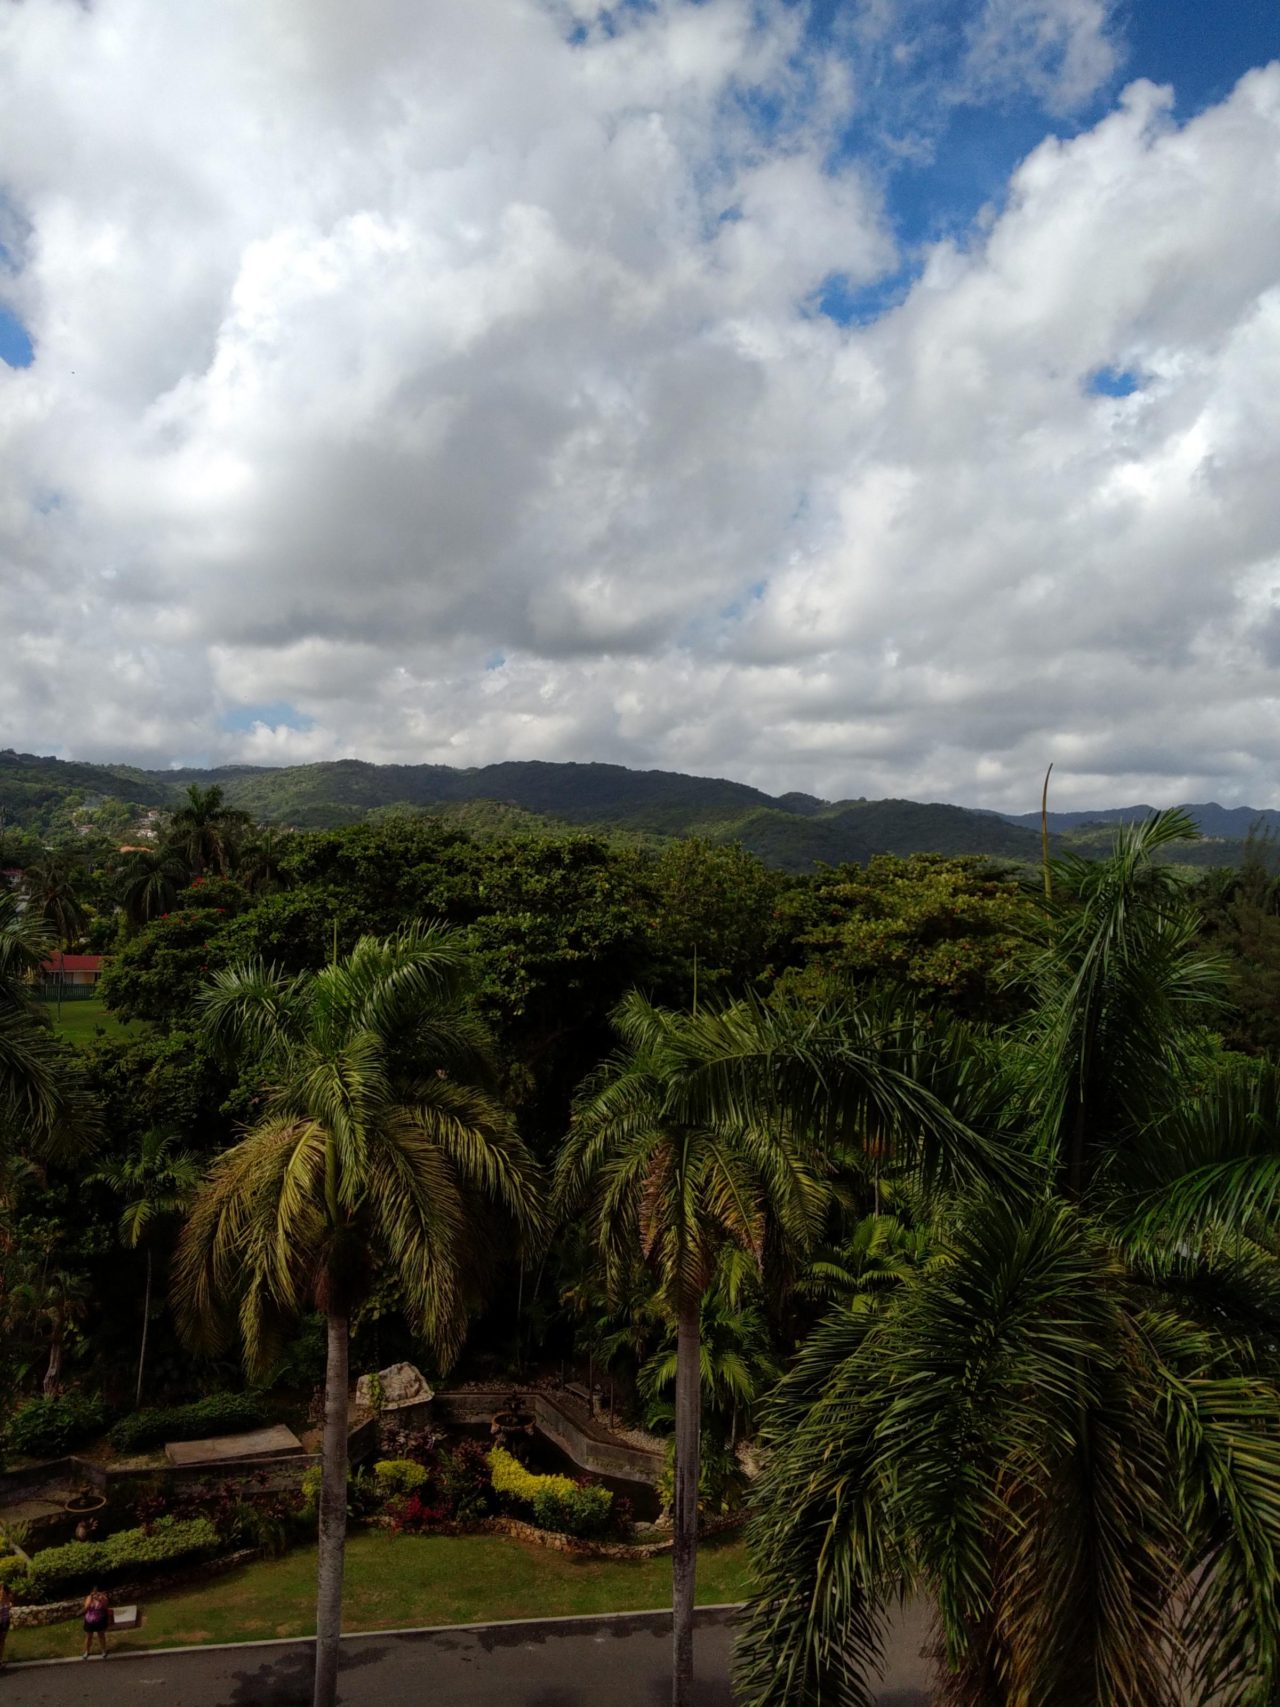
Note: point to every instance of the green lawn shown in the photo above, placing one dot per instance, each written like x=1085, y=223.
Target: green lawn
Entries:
x=398, y=1582
x=79, y=1021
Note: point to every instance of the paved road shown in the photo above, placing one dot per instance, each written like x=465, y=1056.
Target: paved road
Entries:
x=585, y=1662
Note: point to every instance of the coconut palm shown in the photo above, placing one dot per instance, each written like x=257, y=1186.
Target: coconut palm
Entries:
x=1065, y=1427
x=205, y=832
x=157, y=1182
x=706, y=1132
x=375, y=1155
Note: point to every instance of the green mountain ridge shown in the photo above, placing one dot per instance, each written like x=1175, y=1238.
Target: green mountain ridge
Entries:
x=794, y=831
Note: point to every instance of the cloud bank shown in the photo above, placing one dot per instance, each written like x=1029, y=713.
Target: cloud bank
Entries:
x=452, y=383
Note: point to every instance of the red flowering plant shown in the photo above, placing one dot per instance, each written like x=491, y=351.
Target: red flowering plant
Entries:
x=413, y=1514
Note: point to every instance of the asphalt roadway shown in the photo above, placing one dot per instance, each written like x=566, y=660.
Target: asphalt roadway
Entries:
x=618, y=1661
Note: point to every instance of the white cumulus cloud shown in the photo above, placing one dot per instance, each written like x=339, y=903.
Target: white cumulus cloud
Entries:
x=457, y=376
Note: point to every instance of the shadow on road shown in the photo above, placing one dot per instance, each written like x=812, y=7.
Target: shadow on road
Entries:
x=287, y=1681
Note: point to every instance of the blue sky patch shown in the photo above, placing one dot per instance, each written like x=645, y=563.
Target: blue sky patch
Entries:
x=1113, y=382
x=16, y=347
x=273, y=713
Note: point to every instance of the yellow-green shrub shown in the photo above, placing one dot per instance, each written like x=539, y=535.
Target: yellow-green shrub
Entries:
x=399, y=1476
x=556, y=1502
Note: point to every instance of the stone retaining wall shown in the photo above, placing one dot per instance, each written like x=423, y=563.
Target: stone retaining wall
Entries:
x=595, y=1450
x=280, y=1472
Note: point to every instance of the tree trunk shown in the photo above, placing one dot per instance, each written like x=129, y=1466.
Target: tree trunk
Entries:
x=685, y=1512
x=53, y=1374
x=146, y=1319
x=333, y=1517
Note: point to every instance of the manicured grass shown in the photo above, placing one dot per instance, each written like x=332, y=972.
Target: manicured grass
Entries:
x=79, y=1021
x=398, y=1582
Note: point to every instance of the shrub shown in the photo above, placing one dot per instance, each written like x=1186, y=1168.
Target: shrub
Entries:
x=420, y=1444
x=44, y=1428
x=220, y=1413
x=584, y=1508
x=13, y=1569
x=463, y=1481
x=309, y=1490
x=81, y=1563
x=412, y=1514
x=721, y=1479
x=365, y=1495
x=16, y=1576
x=556, y=1502
x=399, y=1476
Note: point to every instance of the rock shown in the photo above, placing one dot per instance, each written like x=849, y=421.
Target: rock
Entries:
x=402, y=1384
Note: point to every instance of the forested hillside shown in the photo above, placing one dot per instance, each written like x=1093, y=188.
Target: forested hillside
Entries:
x=793, y=831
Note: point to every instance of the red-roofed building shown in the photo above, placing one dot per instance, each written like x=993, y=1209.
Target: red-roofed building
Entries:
x=71, y=969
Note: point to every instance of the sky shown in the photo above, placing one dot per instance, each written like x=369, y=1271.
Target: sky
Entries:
x=864, y=397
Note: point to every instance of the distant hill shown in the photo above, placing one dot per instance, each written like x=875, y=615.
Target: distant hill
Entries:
x=794, y=831
x=1228, y=823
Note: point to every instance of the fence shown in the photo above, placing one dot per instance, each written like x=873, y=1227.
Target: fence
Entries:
x=50, y=990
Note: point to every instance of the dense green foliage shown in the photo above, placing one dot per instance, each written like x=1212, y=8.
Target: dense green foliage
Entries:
x=45, y=1428
x=220, y=1413
x=957, y=1199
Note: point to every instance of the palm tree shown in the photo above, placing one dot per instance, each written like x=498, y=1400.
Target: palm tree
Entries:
x=735, y=1357
x=375, y=1154
x=705, y=1132
x=50, y=884
x=1081, y=1470
x=260, y=865
x=149, y=881
x=1065, y=1426
x=41, y=1108
x=206, y=832
x=156, y=1182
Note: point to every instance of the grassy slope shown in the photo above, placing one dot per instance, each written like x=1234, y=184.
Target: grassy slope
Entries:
x=398, y=1582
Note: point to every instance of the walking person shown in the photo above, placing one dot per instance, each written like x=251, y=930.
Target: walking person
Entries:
x=97, y=1615
x=6, y=1618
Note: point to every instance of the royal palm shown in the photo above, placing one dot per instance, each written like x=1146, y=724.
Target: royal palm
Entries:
x=710, y=1131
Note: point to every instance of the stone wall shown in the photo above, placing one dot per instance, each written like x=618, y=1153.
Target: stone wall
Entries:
x=280, y=1472
x=592, y=1449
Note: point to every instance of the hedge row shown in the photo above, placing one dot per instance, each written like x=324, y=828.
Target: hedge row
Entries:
x=81, y=1564
x=557, y=1502
x=220, y=1413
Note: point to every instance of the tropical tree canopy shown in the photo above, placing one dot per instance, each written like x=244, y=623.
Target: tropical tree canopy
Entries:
x=1064, y=1428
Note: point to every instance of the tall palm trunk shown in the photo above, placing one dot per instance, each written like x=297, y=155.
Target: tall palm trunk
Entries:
x=333, y=1516
x=685, y=1529
x=146, y=1319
